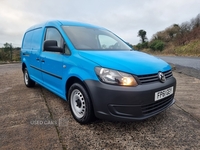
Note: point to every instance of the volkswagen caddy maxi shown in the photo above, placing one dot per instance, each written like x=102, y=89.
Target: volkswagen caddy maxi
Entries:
x=96, y=71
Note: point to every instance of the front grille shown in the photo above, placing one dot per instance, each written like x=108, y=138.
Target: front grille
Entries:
x=168, y=74
x=156, y=106
x=153, y=77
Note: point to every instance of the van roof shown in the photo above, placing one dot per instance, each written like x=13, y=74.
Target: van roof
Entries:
x=62, y=23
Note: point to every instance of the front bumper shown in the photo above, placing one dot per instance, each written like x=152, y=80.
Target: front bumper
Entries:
x=118, y=103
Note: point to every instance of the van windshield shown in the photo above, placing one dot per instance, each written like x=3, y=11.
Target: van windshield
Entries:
x=86, y=38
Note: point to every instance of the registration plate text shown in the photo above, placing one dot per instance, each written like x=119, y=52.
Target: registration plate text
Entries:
x=164, y=93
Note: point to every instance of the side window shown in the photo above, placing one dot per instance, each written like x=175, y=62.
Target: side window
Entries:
x=53, y=34
x=27, y=40
x=32, y=39
x=36, y=39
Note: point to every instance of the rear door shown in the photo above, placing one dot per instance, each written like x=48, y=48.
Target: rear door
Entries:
x=36, y=49
x=52, y=63
x=31, y=49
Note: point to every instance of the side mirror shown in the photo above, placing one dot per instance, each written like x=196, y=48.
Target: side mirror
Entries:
x=51, y=45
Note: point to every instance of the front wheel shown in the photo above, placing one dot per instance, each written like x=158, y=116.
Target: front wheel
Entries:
x=80, y=104
x=28, y=82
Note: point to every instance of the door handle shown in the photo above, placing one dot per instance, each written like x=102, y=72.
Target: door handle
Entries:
x=37, y=59
x=25, y=54
x=42, y=61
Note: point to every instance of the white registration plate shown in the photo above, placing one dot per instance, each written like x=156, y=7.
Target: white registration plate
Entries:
x=164, y=93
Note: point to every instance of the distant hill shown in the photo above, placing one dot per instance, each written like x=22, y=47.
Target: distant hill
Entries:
x=183, y=39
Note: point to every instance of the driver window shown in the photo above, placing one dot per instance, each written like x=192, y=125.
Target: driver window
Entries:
x=53, y=34
x=106, y=42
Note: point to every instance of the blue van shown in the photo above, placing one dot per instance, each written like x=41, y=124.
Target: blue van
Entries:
x=96, y=71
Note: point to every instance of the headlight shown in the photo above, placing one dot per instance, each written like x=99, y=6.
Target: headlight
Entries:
x=115, y=77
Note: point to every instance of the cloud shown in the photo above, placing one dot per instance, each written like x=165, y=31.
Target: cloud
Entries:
x=125, y=18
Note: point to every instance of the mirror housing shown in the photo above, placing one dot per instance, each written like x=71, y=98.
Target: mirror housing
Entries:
x=51, y=45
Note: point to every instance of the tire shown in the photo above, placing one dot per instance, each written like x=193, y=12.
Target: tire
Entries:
x=80, y=104
x=27, y=81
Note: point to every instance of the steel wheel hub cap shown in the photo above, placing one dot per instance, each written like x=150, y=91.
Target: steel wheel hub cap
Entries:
x=26, y=77
x=78, y=103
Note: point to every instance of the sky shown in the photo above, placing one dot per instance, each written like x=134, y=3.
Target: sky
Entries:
x=123, y=17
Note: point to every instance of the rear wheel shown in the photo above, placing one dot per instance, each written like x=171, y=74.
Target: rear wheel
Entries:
x=28, y=82
x=80, y=104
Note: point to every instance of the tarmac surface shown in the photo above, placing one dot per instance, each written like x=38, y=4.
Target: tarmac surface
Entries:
x=34, y=118
x=193, y=62
x=187, y=65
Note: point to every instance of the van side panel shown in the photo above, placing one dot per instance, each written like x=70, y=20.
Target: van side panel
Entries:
x=30, y=52
x=26, y=49
x=36, y=48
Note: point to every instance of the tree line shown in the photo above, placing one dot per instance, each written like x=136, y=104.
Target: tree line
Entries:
x=175, y=34
x=9, y=53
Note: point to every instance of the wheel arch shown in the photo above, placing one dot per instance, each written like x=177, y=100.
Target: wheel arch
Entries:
x=73, y=80
x=23, y=66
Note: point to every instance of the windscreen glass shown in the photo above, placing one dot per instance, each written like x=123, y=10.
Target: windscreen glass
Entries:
x=85, y=38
